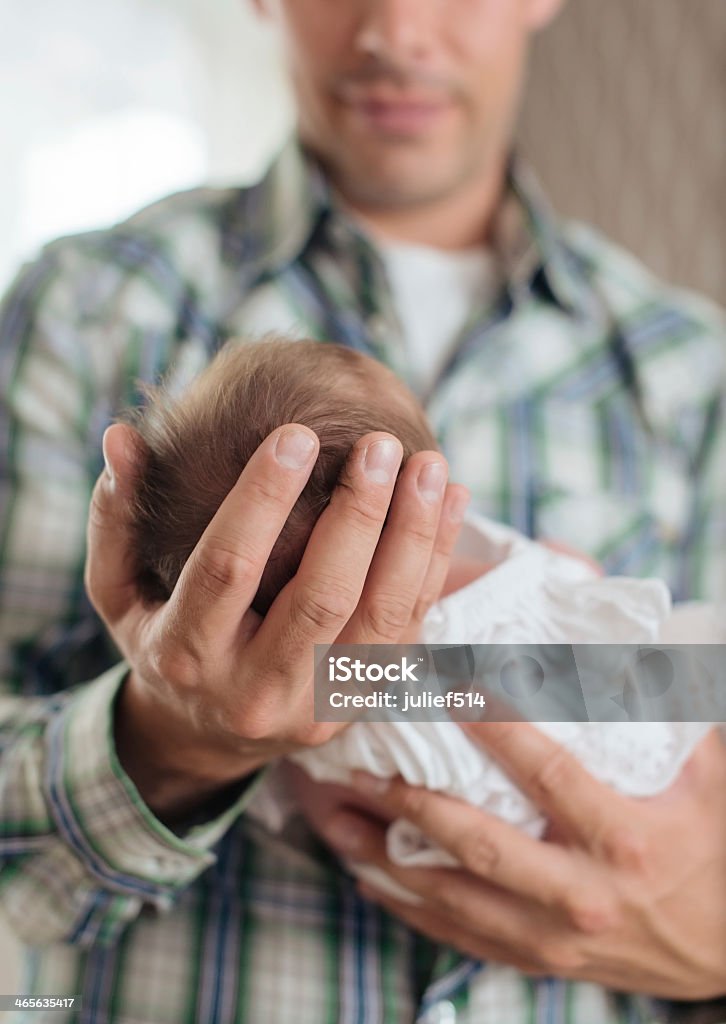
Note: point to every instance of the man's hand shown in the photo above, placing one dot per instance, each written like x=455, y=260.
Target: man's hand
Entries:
x=627, y=893
x=215, y=691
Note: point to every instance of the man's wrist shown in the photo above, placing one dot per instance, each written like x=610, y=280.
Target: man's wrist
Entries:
x=177, y=774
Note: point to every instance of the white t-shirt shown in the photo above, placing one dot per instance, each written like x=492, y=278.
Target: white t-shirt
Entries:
x=435, y=293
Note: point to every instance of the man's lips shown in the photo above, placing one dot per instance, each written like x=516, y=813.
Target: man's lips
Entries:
x=400, y=116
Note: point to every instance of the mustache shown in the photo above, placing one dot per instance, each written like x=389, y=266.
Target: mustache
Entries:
x=382, y=71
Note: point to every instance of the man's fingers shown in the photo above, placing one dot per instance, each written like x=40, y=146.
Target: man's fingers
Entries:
x=110, y=573
x=392, y=590
x=411, y=563
x=559, y=786
x=456, y=501
x=443, y=930
x=317, y=603
x=486, y=846
x=509, y=919
x=221, y=577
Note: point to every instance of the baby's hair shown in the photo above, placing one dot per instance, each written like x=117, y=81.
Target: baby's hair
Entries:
x=199, y=443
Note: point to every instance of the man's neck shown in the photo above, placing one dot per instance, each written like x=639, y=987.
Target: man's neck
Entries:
x=461, y=220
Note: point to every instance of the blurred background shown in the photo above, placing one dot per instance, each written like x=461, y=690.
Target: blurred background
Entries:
x=105, y=107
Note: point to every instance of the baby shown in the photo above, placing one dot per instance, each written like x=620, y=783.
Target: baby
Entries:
x=199, y=443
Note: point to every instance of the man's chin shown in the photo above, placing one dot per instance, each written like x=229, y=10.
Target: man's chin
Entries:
x=396, y=188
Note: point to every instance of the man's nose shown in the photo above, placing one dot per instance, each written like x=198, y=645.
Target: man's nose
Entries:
x=398, y=29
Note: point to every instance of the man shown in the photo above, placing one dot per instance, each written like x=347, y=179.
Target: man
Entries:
x=573, y=396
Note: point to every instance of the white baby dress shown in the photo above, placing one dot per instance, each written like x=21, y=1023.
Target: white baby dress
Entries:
x=532, y=595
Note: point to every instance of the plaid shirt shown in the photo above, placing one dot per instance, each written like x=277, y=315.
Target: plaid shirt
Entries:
x=585, y=403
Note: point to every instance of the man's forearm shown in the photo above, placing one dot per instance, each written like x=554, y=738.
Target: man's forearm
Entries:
x=69, y=813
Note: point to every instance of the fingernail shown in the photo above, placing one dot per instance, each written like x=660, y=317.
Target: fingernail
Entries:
x=459, y=505
x=432, y=481
x=373, y=785
x=345, y=834
x=294, y=449
x=381, y=461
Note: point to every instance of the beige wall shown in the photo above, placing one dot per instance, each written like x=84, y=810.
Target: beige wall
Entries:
x=625, y=122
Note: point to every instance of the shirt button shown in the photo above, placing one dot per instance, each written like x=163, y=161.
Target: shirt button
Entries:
x=440, y=1013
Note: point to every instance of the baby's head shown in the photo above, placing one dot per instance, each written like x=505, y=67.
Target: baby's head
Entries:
x=200, y=442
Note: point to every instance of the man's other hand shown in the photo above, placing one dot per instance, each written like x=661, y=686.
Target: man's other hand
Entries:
x=627, y=893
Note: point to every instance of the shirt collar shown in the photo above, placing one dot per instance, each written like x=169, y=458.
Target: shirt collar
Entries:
x=528, y=238
x=278, y=218
x=273, y=221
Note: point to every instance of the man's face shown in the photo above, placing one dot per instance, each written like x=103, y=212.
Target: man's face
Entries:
x=406, y=101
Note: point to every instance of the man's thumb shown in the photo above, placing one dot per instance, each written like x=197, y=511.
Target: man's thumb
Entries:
x=110, y=565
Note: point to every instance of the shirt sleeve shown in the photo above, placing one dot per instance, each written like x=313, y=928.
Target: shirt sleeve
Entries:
x=80, y=853
x=670, y=348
